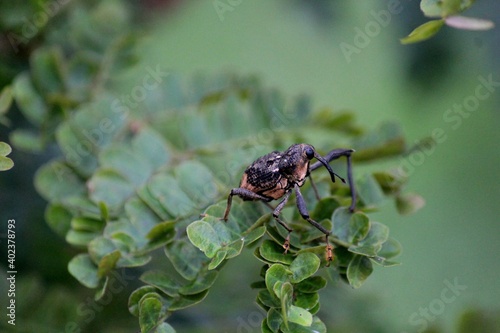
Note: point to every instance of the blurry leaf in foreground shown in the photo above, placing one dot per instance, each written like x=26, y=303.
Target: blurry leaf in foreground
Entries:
x=423, y=32
x=5, y=162
x=26, y=140
x=5, y=99
x=409, y=203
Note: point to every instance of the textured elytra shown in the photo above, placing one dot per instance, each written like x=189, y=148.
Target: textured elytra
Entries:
x=272, y=175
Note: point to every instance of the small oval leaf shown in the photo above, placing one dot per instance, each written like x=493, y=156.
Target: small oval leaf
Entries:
x=423, y=32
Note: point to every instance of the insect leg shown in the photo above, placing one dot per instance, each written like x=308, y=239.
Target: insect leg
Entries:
x=276, y=213
x=244, y=194
x=301, y=205
x=333, y=155
x=315, y=189
x=279, y=208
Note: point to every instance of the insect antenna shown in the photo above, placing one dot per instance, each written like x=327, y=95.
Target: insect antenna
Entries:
x=328, y=167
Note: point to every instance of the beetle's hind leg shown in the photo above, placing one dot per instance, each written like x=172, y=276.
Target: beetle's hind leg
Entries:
x=276, y=213
x=301, y=205
x=245, y=195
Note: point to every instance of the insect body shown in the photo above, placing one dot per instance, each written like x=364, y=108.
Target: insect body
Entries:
x=278, y=174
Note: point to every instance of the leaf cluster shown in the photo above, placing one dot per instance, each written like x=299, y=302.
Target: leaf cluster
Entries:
x=129, y=185
x=68, y=69
x=121, y=191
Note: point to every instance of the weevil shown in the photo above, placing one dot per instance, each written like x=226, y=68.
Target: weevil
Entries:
x=278, y=174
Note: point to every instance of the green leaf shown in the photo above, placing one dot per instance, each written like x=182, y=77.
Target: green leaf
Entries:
x=370, y=191
x=409, y=203
x=254, y=235
x=325, y=208
x=444, y=8
x=46, y=70
x=101, y=290
x=6, y=97
x=150, y=146
x=136, y=296
x=150, y=314
x=451, y=7
x=84, y=270
x=359, y=226
x=162, y=281
x=285, y=291
x=365, y=250
x=198, y=182
x=111, y=187
x=268, y=299
x=185, y=301
x=168, y=192
x=218, y=258
x=56, y=182
x=58, y=218
x=358, y=271
x=273, y=320
x=5, y=162
x=384, y=262
x=164, y=328
x=385, y=141
x=340, y=219
x=142, y=217
x=29, y=100
x=131, y=260
x=265, y=328
x=161, y=234
x=317, y=326
x=99, y=247
x=377, y=235
x=432, y=8
x=306, y=301
x=80, y=238
x=311, y=284
x=125, y=162
x=303, y=266
x=108, y=263
x=273, y=252
x=5, y=149
x=390, y=249
x=390, y=182
x=234, y=248
x=204, y=237
x=186, y=258
x=86, y=224
x=423, y=32
x=26, y=140
x=299, y=316
x=276, y=273
x=314, y=233
x=203, y=282
x=152, y=203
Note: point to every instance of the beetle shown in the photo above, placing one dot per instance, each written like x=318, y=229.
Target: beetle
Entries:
x=278, y=174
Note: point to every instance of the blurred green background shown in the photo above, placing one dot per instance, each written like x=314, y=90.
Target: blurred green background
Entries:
x=296, y=46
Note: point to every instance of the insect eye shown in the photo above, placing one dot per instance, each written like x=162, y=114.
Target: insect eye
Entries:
x=309, y=153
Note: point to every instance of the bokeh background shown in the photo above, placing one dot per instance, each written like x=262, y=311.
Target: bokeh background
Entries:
x=297, y=47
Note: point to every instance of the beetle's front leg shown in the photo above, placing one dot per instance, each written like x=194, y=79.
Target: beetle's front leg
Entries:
x=333, y=155
x=245, y=195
